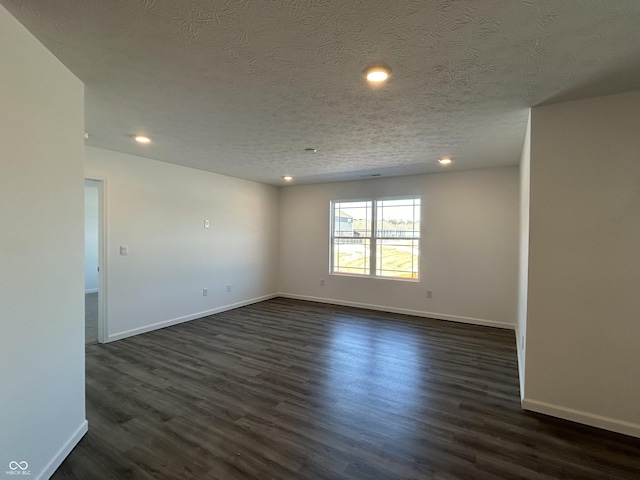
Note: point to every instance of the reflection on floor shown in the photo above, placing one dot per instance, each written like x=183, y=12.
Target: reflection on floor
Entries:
x=91, y=318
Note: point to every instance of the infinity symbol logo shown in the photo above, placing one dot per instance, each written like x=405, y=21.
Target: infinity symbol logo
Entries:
x=13, y=465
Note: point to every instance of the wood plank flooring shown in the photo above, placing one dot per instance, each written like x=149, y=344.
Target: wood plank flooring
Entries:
x=91, y=317
x=286, y=389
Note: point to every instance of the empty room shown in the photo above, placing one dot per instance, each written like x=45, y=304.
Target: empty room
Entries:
x=269, y=239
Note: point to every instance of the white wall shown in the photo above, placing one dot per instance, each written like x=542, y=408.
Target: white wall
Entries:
x=523, y=264
x=469, y=248
x=583, y=326
x=158, y=211
x=42, y=414
x=91, y=243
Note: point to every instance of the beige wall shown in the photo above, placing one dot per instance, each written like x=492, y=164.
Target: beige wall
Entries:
x=469, y=247
x=42, y=414
x=158, y=211
x=583, y=325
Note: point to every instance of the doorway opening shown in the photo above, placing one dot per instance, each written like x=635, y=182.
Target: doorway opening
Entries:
x=94, y=271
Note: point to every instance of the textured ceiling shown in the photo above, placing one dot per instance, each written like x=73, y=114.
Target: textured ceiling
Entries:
x=242, y=87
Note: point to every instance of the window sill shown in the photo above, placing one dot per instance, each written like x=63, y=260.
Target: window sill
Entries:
x=375, y=277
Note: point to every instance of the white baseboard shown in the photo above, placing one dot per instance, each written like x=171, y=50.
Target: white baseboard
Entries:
x=186, y=318
x=405, y=311
x=59, y=457
x=91, y=290
x=599, y=421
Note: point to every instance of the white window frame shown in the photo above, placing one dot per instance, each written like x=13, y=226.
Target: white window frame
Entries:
x=373, y=238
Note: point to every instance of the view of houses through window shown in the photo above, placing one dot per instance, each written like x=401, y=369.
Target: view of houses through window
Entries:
x=376, y=237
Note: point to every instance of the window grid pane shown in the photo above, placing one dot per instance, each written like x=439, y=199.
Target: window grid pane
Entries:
x=351, y=255
x=352, y=219
x=398, y=218
x=397, y=258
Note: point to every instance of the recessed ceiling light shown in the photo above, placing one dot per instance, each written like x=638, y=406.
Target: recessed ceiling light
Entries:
x=287, y=178
x=377, y=74
x=445, y=161
x=310, y=150
x=142, y=139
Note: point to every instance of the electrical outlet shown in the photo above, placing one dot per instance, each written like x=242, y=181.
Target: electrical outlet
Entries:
x=228, y=288
x=205, y=292
x=206, y=224
x=429, y=294
x=322, y=282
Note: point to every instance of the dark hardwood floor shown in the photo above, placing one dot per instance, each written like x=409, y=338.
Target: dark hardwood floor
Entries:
x=287, y=389
x=91, y=317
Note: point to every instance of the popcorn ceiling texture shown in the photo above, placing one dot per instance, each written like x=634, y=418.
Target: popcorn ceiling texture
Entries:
x=242, y=87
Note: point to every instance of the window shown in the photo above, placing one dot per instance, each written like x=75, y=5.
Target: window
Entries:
x=378, y=238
